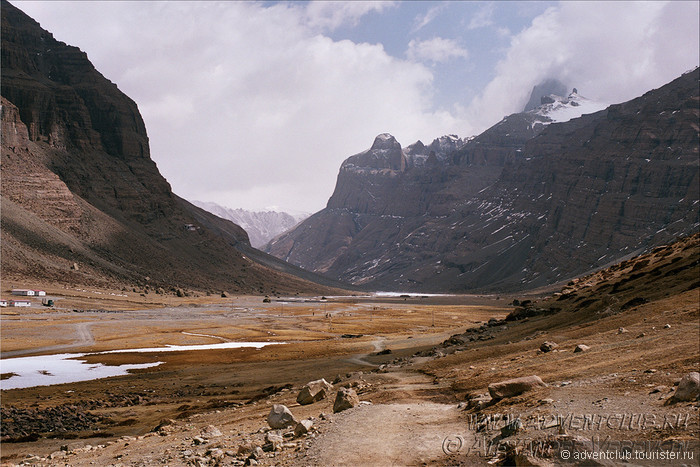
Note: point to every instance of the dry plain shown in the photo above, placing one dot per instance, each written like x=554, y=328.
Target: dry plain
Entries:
x=641, y=320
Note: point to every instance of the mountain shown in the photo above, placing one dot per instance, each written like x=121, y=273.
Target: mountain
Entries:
x=82, y=201
x=533, y=200
x=545, y=88
x=261, y=226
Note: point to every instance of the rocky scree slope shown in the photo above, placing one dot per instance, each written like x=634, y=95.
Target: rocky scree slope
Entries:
x=82, y=201
x=527, y=203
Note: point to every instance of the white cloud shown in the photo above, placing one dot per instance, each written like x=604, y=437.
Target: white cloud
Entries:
x=248, y=105
x=611, y=51
x=435, y=50
x=423, y=20
x=329, y=15
x=482, y=18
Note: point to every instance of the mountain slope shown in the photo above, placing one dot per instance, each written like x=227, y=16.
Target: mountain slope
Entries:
x=79, y=187
x=527, y=203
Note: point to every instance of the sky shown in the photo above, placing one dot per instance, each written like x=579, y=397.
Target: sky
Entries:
x=255, y=105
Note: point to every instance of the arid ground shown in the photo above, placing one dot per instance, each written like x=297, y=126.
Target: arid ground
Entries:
x=420, y=365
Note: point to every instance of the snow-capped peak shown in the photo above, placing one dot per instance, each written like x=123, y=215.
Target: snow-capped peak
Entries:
x=562, y=109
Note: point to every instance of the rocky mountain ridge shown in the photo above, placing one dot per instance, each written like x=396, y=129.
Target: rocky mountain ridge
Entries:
x=82, y=201
x=529, y=202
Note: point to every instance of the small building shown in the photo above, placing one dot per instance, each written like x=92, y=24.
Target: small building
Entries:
x=40, y=293
x=20, y=303
x=3, y=302
x=25, y=292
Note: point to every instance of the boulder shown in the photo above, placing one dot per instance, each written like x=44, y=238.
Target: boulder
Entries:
x=514, y=387
x=548, y=346
x=346, y=399
x=280, y=417
x=314, y=391
x=211, y=432
x=688, y=388
x=581, y=348
x=303, y=427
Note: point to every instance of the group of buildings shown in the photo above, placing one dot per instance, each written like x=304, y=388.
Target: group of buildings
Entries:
x=20, y=302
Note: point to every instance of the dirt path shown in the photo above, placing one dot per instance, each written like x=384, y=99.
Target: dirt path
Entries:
x=408, y=431
x=83, y=338
x=360, y=359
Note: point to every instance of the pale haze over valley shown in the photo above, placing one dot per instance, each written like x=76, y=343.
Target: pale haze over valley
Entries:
x=256, y=104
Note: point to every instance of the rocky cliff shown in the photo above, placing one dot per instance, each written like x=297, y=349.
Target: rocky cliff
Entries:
x=82, y=201
x=527, y=203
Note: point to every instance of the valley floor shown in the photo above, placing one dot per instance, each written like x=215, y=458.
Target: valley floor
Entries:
x=420, y=400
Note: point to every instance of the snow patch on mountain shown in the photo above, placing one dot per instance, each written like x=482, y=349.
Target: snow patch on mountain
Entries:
x=557, y=109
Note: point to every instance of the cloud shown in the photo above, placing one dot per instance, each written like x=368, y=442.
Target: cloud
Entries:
x=482, y=18
x=249, y=105
x=610, y=51
x=435, y=50
x=423, y=20
x=328, y=16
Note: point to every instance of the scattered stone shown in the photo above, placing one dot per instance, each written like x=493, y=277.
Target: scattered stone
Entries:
x=323, y=416
x=621, y=330
x=280, y=417
x=197, y=440
x=548, y=346
x=512, y=428
x=515, y=387
x=688, y=388
x=245, y=449
x=384, y=352
x=546, y=401
x=564, y=383
x=667, y=326
x=641, y=335
x=224, y=294
x=75, y=267
x=650, y=371
x=303, y=427
x=314, y=391
x=581, y=348
x=479, y=402
x=345, y=399
x=658, y=389
x=211, y=432
x=257, y=453
x=273, y=442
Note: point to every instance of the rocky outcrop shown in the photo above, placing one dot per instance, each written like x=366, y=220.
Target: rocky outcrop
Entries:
x=688, y=388
x=280, y=417
x=527, y=203
x=314, y=391
x=515, y=387
x=345, y=399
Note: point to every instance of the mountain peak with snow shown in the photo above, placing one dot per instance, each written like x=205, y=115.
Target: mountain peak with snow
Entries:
x=556, y=109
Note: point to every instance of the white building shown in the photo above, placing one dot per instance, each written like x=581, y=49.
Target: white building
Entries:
x=25, y=292
x=3, y=302
x=20, y=303
x=40, y=293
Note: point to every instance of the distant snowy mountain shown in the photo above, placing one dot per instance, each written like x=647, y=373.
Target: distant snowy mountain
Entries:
x=558, y=109
x=261, y=226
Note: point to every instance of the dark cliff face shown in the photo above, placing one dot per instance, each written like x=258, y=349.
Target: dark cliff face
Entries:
x=79, y=186
x=522, y=205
